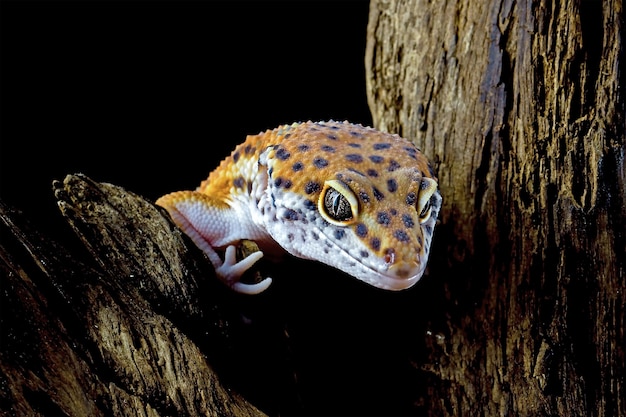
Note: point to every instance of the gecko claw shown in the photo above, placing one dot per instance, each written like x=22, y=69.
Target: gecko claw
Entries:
x=230, y=272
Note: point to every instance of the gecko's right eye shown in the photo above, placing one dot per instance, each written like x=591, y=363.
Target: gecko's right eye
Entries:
x=337, y=204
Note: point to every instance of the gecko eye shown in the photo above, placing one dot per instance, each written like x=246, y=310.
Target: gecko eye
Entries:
x=337, y=204
x=424, y=207
x=425, y=213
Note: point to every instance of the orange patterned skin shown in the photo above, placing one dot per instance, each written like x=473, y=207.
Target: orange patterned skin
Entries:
x=357, y=199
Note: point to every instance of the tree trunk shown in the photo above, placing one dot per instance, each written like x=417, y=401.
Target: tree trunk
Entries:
x=521, y=105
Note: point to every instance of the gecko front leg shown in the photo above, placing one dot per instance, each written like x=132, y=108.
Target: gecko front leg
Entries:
x=211, y=224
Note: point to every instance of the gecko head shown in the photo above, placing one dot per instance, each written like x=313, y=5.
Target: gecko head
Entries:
x=374, y=223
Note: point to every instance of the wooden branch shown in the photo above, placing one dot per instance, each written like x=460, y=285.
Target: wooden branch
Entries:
x=115, y=336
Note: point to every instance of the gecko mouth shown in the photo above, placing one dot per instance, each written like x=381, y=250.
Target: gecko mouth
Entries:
x=398, y=276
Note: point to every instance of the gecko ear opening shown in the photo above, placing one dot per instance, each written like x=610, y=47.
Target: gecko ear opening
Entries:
x=337, y=203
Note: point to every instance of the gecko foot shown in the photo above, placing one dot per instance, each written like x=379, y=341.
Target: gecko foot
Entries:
x=230, y=272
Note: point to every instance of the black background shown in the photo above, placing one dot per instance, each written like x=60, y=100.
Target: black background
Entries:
x=151, y=95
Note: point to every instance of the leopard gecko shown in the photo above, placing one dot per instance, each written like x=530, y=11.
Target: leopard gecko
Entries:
x=357, y=199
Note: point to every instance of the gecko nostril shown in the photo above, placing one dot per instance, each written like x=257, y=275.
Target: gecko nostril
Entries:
x=390, y=256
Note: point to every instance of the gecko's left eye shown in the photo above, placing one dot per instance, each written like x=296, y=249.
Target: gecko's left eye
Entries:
x=427, y=189
x=337, y=204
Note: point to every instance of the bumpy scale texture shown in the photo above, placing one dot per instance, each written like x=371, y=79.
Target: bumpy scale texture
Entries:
x=357, y=199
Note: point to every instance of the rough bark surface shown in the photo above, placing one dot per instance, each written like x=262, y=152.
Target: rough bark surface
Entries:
x=521, y=105
x=116, y=335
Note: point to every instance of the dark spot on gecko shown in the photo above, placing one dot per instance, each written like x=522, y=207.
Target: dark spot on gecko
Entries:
x=270, y=172
x=392, y=185
x=320, y=162
x=290, y=237
x=377, y=194
x=236, y=157
x=298, y=166
x=364, y=254
x=375, y=243
x=339, y=234
x=327, y=148
x=310, y=204
x=315, y=236
x=303, y=148
x=393, y=211
x=377, y=159
x=249, y=187
x=401, y=235
x=379, y=146
x=287, y=184
x=354, y=157
x=372, y=173
x=290, y=214
x=311, y=187
x=412, y=152
x=393, y=165
x=282, y=154
x=419, y=240
x=326, y=251
x=239, y=182
x=428, y=229
x=356, y=134
x=361, y=230
x=333, y=127
x=287, y=136
x=246, y=150
x=364, y=197
x=411, y=198
x=383, y=218
x=354, y=145
x=332, y=137
x=278, y=181
x=411, y=149
x=408, y=221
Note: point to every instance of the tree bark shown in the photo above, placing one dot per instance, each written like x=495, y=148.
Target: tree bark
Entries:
x=522, y=107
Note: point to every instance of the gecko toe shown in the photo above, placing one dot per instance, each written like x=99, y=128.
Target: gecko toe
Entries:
x=257, y=288
x=230, y=272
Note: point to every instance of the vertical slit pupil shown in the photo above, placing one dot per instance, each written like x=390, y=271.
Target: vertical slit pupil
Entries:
x=336, y=203
x=337, y=206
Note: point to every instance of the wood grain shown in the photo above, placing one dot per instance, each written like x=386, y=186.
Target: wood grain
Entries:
x=521, y=105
